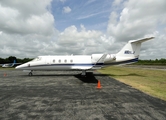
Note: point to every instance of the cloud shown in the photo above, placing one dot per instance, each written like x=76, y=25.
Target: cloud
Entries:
x=89, y=2
x=139, y=19
x=25, y=18
x=117, y=2
x=133, y=22
x=26, y=8
x=91, y=15
x=62, y=1
x=83, y=41
x=66, y=9
x=27, y=29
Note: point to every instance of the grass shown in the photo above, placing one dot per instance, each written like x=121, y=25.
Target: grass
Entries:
x=8, y=68
x=152, y=82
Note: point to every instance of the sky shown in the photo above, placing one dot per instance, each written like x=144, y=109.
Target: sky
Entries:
x=30, y=28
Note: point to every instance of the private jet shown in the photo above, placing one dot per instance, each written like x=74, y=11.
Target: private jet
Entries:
x=7, y=65
x=127, y=55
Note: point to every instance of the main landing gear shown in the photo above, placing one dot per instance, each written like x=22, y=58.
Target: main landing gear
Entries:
x=83, y=73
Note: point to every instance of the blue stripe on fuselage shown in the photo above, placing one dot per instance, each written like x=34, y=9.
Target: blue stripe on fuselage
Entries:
x=123, y=62
x=87, y=64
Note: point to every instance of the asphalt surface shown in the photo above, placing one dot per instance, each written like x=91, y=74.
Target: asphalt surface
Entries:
x=65, y=95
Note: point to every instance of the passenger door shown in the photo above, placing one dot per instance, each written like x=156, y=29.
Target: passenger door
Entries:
x=48, y=61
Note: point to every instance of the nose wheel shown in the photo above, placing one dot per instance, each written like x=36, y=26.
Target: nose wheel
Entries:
x=30, y=73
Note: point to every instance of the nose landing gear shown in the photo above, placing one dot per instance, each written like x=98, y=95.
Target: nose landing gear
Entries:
x=30, y=73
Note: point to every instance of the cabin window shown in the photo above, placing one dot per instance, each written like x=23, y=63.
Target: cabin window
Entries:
x=65, y=61
x=53, y=61
x=59, y=61
x=71, y=61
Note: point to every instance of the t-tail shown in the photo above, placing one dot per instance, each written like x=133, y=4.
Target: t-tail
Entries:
x=14, y=62
x=129, y=53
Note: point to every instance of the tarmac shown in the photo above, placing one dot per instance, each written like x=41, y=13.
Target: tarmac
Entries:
x=66, y=95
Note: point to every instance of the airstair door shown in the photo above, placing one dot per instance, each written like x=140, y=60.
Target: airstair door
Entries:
x=48, y=61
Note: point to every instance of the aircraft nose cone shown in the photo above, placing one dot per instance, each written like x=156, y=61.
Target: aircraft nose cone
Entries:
x=20, y=66
x=17, y=67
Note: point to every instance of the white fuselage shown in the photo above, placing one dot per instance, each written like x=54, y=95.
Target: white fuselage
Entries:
x=7, y=65
x=73, y=62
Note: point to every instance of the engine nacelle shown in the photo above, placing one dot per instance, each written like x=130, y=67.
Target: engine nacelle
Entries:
x=113, y=57
x=110, y=57
x=96, y=57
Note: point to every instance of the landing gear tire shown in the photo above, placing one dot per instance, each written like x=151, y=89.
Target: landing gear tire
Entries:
x=83, y=73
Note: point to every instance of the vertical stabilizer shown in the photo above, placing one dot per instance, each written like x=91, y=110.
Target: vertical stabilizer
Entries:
x=14, y=62
x=132, y=48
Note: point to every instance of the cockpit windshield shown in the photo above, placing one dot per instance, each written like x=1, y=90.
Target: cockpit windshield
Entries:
x=36, y=59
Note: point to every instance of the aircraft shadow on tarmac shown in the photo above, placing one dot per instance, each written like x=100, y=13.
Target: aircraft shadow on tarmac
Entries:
x=89, y=78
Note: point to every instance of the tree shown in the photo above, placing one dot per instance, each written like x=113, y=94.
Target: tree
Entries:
x=2, y=61
x=12, y=58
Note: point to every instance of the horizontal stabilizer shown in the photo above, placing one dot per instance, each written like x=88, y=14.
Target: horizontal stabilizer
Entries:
x=140, y=40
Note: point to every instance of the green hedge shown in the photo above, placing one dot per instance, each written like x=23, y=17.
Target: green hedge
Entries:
x=161, y=61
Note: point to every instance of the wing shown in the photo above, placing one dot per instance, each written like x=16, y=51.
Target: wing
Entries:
x=89, y=66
